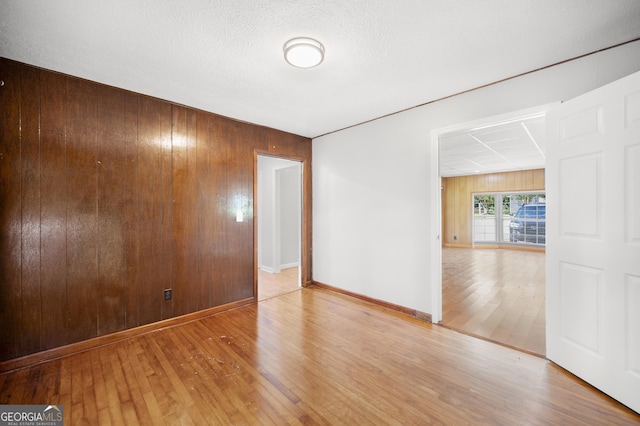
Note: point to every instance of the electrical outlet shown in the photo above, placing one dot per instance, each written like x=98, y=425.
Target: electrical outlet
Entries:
x=455, y=237
x=168, y=294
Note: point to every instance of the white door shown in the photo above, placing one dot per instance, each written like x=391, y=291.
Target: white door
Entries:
x=593, y=238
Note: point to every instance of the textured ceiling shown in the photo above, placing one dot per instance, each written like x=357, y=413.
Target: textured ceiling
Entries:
x=382, y=56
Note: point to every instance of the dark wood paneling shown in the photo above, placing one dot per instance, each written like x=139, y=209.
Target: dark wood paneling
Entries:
x=53, y=215
x=10, y=212
x=130, y=209
x=81, y=207
x=30, y=267
x=224, y=205
x=191, y=234
x=153, y=119
x=205, y=212
x=241, y=182
x=111, y=166
x=166, y=205
x=181, y=210
x=109, y=197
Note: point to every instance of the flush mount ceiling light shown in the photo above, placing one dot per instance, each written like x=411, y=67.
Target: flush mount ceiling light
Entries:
x=303, y=52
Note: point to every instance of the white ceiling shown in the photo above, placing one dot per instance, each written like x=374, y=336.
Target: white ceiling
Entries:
x=512, y=145
x=382, y=56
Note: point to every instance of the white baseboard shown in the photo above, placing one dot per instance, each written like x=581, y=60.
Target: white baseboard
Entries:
x=266, y=269
x=274, y=271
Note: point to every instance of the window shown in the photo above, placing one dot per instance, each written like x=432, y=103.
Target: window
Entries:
x=514, y=218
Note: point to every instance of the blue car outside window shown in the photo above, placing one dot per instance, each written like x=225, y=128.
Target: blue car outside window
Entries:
x=532, y=212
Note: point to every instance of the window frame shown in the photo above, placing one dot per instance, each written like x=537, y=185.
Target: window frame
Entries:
x=502, y=232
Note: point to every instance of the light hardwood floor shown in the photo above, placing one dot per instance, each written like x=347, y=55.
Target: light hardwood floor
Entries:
x=270, y=285
x=310, y=356
x=496, y=294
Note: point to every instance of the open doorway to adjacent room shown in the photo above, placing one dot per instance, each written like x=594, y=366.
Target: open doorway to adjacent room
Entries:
x=279, y=223
x=493, y=281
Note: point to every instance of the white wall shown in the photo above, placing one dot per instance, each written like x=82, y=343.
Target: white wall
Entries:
x=290, y=184
x=372, y=203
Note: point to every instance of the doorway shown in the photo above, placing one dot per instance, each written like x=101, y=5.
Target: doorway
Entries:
x=495, y=290
x=279, y=226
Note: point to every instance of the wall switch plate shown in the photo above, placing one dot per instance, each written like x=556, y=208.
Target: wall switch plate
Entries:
x=168, y=294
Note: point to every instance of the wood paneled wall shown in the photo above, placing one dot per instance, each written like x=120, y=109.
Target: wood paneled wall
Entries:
x=109, y=197
x=457, y=199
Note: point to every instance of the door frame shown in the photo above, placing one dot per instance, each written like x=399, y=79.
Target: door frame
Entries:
x=305, y=215
x=435, y=275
